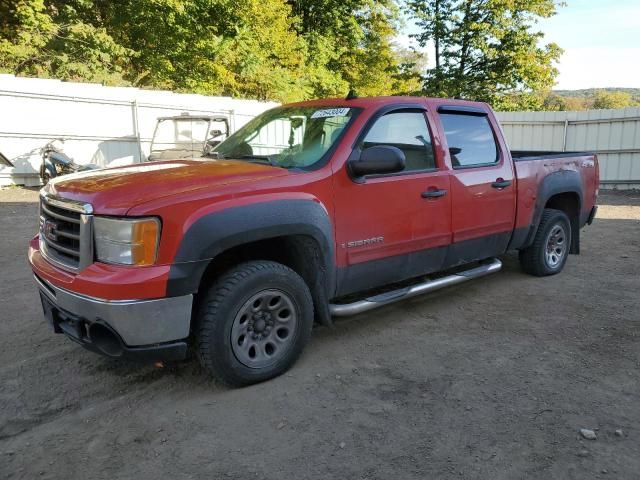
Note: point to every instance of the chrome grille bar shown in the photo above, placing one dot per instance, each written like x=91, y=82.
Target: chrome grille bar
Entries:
x=66, y=232
x=56, y=246
x=67, y=204
x=74, y=219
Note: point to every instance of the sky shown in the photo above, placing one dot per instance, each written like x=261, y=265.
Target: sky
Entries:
x=601, y=43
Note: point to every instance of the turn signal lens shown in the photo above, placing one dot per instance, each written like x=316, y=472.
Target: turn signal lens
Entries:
x=144, y=242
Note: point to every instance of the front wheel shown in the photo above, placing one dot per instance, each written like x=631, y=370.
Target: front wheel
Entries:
x=550, y=248
x=253, y=323
x=45, y=174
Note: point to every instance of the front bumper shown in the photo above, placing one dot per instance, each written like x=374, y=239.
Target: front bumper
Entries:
x=141, y=329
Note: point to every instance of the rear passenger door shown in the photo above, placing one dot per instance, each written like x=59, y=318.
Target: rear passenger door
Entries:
x=483, y=189
x=390, y=227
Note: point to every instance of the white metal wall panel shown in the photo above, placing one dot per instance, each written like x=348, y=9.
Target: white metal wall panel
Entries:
x=108, y=126
x=613, y=134
x=99, y=125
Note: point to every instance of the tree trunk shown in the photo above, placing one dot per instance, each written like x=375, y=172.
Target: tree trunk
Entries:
x=464, y=47
x=437, y=31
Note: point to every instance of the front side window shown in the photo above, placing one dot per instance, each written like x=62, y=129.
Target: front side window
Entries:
x=407, y=131
x=289, y=137
x=470, y=139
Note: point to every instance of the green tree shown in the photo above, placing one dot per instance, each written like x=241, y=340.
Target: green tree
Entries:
x=46, y=39
x=487, y=49
x=351, y=42
x=553, y=101
x=264, y=49
x=374, y=65
x=218, y=47
x=407, y=80
x=608, y=99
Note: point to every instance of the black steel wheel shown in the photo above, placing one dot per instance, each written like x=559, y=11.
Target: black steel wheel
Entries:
x=548, y=253
x=264, y=328
x=253, y=323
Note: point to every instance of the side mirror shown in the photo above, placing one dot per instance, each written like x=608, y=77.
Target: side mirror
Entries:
x=378, y=159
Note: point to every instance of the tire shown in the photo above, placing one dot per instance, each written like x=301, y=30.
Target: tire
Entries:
x=550, y=248
x=45, y=176
x=253, y=323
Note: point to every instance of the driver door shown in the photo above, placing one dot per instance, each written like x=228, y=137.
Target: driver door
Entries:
x=394, y=226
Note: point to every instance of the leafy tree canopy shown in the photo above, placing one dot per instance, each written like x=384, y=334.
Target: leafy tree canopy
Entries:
x=265, y=49
x=589, y=99
x=487, y=49
x=289, y=50
x=605, y=99
x=51, y=40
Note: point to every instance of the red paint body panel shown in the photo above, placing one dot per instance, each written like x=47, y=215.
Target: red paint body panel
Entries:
x=478, y=208
x=531, y=172
x=182, y=191
x=114, y=191
x=391, y=208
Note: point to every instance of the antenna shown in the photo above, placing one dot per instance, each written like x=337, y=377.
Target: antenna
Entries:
x=351, y=95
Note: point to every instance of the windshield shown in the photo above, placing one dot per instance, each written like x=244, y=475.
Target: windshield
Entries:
x=287, y=137
x=180, y=134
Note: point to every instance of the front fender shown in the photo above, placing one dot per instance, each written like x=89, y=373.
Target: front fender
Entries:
x=48, y=167
x=215, y=232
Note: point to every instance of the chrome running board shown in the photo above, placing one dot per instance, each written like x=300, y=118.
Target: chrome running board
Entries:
x=376, y=301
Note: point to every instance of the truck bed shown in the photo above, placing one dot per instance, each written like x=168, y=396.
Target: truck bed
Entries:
x=575, y=171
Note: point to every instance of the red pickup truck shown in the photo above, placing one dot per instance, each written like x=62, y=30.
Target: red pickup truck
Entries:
x=311, y=210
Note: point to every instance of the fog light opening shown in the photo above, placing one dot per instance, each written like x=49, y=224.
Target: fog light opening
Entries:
x=105, y=340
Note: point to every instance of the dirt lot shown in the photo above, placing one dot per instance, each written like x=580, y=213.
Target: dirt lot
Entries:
x=491, y=379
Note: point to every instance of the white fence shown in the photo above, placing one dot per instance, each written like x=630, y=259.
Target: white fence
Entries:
x=114, y=126
x=613, y=134
x=101, y=125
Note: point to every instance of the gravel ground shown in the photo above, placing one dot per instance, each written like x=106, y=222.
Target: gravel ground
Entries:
x=491, y=379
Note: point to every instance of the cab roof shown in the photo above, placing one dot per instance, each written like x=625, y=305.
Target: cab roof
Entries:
x=376, y=102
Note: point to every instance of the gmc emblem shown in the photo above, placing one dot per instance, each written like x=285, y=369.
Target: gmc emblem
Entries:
x=49, y=230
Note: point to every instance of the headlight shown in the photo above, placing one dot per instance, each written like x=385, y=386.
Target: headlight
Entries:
x=127, y=241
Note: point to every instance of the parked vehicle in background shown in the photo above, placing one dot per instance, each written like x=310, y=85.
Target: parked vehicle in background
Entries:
x=311, y=210
x=56, y=163
x=187, y=136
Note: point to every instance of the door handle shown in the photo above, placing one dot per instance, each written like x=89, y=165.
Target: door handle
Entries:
x=500, y=183
x=433, y=193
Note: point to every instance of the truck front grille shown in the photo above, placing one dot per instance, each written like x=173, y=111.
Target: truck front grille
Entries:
x=66, y=237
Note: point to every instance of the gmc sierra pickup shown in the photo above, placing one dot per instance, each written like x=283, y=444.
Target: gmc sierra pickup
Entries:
x=311, y=210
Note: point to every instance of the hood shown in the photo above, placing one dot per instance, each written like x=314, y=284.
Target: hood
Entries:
x=113, y=191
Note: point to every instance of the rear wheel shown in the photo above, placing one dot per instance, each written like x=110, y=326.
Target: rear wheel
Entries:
x=550, y=248
x=253, y=323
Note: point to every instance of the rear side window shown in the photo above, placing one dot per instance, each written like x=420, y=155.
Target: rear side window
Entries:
x=470, y=139
x=406, y=130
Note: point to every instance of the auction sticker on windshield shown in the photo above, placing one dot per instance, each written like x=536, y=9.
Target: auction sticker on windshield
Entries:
x=331, y=112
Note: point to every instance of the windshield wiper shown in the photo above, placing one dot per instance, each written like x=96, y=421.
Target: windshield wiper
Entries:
x=262, y=159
